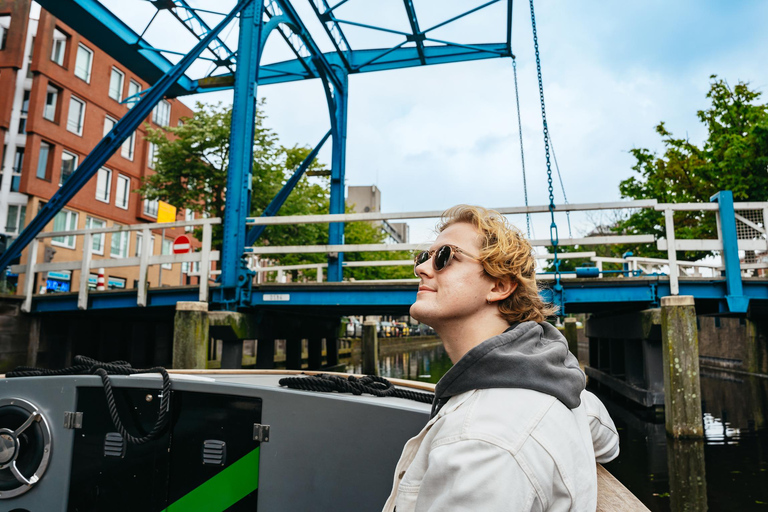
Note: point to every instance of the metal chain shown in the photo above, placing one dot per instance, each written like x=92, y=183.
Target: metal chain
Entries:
x=553, y=226
x=562, y=186
x=522, y=153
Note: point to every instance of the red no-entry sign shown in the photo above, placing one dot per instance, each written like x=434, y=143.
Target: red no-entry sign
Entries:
x=182, y=245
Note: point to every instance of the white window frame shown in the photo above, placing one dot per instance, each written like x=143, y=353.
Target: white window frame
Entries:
x=166, y=247
x=189, y=215
x=161, y=114
x=5, y=25
x=109, y=123
x=123, y=187
x=128, y=147
x=118, y=92
x=151, y=155
x=83, y=50
x=19, y=218
x=98, y=238
x=49, y=110
x=140, y=243
x=61, y=169
x=60, y=40
x=45, y=163
x=103, y=185
x=150, y=207
x=121, y=237
x=70, y=223
x=134, y=88
x=76, y=126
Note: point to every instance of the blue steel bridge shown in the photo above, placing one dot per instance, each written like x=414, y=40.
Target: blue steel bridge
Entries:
x=725, y=286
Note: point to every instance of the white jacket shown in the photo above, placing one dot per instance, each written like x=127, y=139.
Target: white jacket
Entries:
x=505, y=449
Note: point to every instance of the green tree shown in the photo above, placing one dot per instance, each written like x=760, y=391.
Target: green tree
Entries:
x=191, y=172
x=733, y=157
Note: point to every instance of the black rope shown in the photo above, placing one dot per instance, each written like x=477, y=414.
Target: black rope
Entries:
x=86, y=365
x=371, y=384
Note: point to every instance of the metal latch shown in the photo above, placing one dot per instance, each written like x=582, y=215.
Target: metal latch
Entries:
x=260, y=433
x=73, y=420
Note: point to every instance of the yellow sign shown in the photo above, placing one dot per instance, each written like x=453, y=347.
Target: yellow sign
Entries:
x=165, y=212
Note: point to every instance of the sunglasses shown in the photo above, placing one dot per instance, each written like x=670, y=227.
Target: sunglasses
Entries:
x=441, y=257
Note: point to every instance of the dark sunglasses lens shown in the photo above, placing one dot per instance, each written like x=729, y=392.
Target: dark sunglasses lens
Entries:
x=421, y=257
x=442, y=257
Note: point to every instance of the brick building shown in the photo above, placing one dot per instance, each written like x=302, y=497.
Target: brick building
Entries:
x=59, y=95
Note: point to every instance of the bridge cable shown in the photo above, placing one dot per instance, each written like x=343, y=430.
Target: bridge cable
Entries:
x=558, y=288
x=562, y=187
x=522, y=151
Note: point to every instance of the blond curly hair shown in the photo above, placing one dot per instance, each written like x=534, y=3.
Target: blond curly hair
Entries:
x=505, y=253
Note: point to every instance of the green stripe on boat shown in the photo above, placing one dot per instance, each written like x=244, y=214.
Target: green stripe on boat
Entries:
x=223, y=490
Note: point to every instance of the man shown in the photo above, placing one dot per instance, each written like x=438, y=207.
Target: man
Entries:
x=512, y=428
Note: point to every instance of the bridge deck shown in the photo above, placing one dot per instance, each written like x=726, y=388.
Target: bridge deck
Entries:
x=581, y=295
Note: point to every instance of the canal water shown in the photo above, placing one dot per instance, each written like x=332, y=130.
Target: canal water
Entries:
x=726, y=471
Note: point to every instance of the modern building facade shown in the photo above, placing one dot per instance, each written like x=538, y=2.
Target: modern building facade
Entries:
x=59, y=95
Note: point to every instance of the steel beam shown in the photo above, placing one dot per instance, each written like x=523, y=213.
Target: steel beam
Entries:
x=338, y=162
x=737, y=302
x=239, y=182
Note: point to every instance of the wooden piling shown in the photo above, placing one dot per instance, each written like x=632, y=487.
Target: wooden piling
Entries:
x=571, y=334
x=680, y=353
x=370, y=348
x=190, y=335
x=687, y=475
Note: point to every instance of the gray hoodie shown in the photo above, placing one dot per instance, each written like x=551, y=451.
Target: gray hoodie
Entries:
x=527, y=355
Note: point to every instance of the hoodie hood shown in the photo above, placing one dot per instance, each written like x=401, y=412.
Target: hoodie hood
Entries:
x=528, y=355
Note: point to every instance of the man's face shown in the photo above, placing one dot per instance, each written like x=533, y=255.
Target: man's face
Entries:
x=458, y=292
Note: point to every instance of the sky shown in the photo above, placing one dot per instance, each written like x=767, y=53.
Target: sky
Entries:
x=431, y=137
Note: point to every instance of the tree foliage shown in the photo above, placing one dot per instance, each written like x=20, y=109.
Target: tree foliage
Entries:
x=733, y=157
x=191, y=172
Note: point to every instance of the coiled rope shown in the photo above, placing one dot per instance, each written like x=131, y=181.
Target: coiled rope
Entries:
x=87, y=366
x=371, y=384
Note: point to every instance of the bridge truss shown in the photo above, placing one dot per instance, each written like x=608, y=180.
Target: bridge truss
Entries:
x=319, y=40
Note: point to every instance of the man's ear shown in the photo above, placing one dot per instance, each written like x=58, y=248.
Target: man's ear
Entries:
x=502, y=288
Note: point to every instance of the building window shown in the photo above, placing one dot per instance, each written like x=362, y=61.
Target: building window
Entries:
x=189, y=215
x=119, y=247
x=151, y=155
x=122, y=190
x=140, y=244
x=76, y=115
x=59, y=49
x=43, y=161
x=5, y=24
x=103, y=184
x=116, y=84
x=150, y=207
x=18, y=164
x=83, y=63
x=98, y=238
x=16, y=217
x=24, y=113
x=128, y=146
x=134, y=88
x=65, y=220
x=161, y=114
x=68, y=166
x=167, y=244
x=109, y=123
x=51, y=100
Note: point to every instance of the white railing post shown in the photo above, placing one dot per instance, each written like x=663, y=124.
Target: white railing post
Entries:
x=319, y=273
x=85, y=271
x=29, y=283
x=205, y=261
x=674, y=287
x=146, y=249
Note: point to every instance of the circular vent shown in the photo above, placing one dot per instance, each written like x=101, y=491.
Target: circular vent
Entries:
x=25, y=446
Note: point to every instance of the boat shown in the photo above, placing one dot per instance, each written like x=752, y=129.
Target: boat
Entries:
x=232, y=440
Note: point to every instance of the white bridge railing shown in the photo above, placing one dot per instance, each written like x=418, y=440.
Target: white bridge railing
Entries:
x=751, y=219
